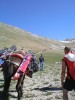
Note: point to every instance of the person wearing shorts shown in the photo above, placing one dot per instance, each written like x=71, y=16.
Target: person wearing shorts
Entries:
x=69, y=84
x=67, y=72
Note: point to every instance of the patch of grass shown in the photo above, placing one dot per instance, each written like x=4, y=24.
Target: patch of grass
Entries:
x=53, y=57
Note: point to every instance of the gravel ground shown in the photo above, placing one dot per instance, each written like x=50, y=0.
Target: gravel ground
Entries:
x=45, y=85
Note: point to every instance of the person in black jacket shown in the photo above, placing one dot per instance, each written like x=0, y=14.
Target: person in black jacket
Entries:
x=41, y=60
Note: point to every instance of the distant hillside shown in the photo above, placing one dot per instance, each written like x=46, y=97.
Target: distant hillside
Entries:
x=70, y=39
x=10, y=35
x=70, y=43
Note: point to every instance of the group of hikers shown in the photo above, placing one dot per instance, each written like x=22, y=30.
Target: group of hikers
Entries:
x=67, y=70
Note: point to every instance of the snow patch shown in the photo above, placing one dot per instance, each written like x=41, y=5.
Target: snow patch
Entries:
x=66, y=41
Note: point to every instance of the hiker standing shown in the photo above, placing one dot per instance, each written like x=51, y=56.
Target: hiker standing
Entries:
x=41, y=60
x=68, y=79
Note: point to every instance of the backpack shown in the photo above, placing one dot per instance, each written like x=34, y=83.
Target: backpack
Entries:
x=70, y=62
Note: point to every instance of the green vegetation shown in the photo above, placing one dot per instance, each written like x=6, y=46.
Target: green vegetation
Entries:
x=10, y=35
x=53, y=57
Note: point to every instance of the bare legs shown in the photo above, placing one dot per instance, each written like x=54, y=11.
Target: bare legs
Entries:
x=65, y=94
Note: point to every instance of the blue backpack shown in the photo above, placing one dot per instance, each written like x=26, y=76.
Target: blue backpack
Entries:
x=1, y=61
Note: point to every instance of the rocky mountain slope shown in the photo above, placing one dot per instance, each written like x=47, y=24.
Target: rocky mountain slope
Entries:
x=44, y=85
x=12, y=35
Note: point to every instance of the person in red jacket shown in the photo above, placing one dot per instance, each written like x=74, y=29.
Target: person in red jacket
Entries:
x=68, y=79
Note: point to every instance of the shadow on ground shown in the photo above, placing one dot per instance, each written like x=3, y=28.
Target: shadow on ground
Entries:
x=45, y=89
x=3, y=97
x=6, y=97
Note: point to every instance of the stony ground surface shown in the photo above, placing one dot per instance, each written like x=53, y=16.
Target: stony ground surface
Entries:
x=45, y=85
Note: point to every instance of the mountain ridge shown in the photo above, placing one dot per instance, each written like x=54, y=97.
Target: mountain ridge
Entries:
x=10, y=35
x=10, y=32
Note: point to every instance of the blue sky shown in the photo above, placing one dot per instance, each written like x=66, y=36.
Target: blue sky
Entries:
x=54, y=19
